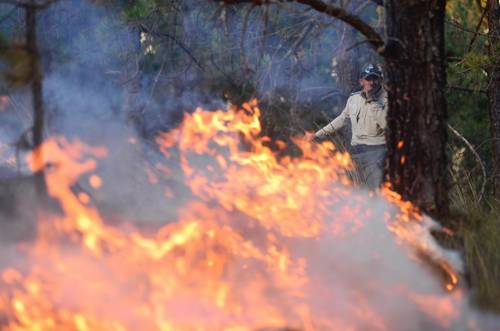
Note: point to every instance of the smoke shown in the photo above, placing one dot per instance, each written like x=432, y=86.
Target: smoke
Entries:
x=266, y=265
x=105, y=85
x=357, y=274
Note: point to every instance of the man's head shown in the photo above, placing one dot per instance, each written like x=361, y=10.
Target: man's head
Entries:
x=370, y=78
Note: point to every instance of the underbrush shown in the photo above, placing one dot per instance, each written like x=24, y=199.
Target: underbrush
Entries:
x=477, y=235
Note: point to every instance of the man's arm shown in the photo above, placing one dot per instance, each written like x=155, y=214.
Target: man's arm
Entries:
x=334, y=125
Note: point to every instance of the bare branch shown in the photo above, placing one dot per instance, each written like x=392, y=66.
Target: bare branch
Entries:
x=477, y=30
x=373, y=36
x=362, y=6
x=243, y=33
x=6, y=16
x=299, y=41
x=356, y=45
x=476, y=154
x=175, y=40
x=460, y=27
x=465, y=89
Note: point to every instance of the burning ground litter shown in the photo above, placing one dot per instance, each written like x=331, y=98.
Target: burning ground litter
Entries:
x=262, y=243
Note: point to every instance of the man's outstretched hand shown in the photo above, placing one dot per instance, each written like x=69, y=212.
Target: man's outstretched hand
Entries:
x=315, y=137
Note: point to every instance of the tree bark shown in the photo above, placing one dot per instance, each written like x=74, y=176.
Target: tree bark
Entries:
x=493, y=12
x=37, y=95
x=417, y=115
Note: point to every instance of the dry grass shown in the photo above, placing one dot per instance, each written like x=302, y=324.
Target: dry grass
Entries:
x=480, y=237
x=477, y=235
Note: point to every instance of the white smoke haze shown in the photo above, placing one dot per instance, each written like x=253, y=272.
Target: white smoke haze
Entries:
x=355, y=275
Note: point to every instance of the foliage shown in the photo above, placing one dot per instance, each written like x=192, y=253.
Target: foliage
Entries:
x=478, y=237
x=478, y=230
x=467, y=81
x=139, y=9
x=481, y=239
x=16, y=71
x=470, y=71
x=15, y=68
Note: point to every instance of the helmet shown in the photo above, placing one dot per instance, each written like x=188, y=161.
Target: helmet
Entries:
x=371, y=71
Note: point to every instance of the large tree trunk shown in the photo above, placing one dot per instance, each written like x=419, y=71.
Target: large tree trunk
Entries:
x=417, y=106
x=493, y=11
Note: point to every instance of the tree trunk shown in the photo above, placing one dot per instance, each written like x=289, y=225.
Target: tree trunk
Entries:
x=417, y=107
x=36, y=91
x=493, y=11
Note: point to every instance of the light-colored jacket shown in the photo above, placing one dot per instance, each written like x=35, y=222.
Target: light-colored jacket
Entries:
x=368, y=119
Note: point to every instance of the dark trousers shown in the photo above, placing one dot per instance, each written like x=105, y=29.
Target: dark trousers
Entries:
x=369, y=161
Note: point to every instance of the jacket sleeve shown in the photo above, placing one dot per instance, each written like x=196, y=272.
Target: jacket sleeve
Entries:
x=334, y=125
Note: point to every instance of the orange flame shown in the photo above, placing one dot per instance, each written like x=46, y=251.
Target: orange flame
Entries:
x=236, y=258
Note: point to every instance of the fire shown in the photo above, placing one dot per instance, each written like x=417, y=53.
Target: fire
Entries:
x=253, y=249
x=253, y=177
x=95, y=181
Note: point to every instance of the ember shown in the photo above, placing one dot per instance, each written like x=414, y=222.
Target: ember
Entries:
x=265, y=243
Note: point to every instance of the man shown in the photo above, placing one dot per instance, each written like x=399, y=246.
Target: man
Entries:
x=367, y=110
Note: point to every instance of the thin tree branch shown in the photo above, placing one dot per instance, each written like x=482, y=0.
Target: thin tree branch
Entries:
x=362, y=6
x=243, y=33
x=175, y=40
x=216, y=66
x=477, y=30
x=454, y=59
x=299, y=41
x=455, y=24
x=373, y=36
x=478, y=3
x=6, y=16
x=359, y=43
x=465, y=89
x=483, y=168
